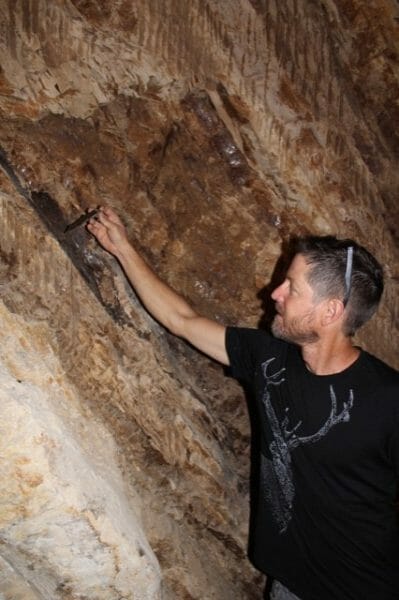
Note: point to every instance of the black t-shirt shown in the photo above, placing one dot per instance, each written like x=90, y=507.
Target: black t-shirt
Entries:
x=326, y=523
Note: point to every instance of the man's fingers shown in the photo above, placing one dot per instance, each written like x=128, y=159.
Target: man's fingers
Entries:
x=111, y=215
x=95, y=227
x=91, y=225
x=106, y=215
x=93, y=221
x=107, y=228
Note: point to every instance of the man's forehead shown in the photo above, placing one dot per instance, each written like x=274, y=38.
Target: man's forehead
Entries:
x=298, y=268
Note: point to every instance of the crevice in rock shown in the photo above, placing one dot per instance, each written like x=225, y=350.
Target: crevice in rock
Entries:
x=73, y=243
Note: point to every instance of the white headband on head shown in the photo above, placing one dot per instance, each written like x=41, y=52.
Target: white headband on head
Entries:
x=348, y=273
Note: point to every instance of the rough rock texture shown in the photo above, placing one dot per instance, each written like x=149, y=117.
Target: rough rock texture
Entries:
x=217, y=129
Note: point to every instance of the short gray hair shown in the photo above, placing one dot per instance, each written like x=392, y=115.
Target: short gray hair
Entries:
x=359, y=284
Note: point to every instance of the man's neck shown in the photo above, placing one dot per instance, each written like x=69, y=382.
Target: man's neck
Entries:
x=326, y=357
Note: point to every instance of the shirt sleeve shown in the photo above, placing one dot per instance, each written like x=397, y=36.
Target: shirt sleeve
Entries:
x=243, y=348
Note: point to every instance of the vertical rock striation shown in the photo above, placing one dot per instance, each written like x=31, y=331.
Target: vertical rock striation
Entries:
x=216, y=130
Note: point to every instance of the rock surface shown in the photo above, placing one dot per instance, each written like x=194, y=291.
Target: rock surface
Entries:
x=217, y=130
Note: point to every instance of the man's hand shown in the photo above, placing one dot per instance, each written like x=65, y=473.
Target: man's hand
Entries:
x=109, y=230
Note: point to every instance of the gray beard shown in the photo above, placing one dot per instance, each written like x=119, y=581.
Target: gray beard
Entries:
x=295, y=334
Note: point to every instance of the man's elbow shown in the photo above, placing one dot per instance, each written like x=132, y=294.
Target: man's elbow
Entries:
x=178, y=323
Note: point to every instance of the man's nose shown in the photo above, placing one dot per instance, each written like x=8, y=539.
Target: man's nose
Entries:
x=279, y=293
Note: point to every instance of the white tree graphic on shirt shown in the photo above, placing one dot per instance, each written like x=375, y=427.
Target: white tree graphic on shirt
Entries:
x=277, y=475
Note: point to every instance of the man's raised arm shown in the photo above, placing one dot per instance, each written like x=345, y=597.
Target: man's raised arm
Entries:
x=163, y=303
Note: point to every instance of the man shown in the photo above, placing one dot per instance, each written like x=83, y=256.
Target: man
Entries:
x=326, y=524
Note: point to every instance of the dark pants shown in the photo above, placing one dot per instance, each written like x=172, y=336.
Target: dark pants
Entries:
x=280, y=592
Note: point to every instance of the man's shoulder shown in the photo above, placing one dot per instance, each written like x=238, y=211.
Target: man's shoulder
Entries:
x=382, y=371
x=259, y=339
x=248, y=348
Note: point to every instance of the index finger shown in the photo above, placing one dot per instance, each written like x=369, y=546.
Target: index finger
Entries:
x=110, y=214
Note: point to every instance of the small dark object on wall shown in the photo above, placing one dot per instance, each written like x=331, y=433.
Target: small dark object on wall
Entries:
x=81, y=220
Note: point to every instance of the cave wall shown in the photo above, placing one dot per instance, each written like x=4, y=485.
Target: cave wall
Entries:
x=217, y=130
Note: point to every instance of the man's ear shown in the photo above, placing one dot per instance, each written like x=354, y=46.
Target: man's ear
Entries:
x=334, y=309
